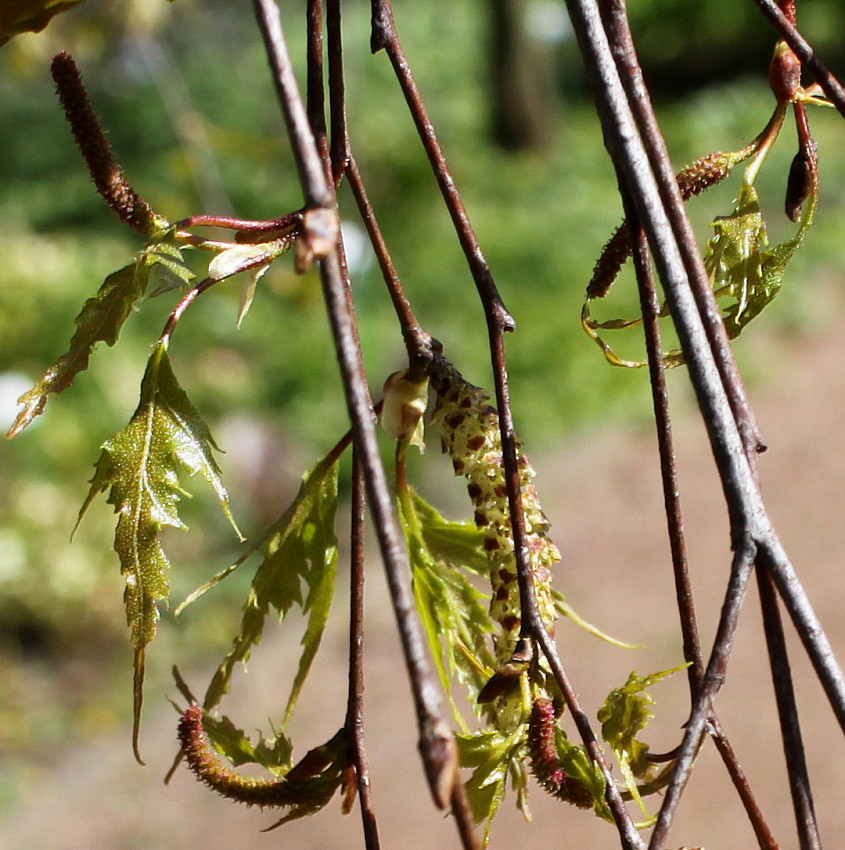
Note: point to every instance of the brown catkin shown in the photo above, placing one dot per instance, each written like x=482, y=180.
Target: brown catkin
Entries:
x=307, y=786
x=469, y=432
x=91, y=140
x=705, y=172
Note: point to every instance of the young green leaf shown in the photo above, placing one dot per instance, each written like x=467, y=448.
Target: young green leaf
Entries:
x=755, y=280
x=493, y=756
x=455, y=542
x=300, y=553
x=624, y=714
x=274, y=754
x=456, y=621
x=101, y=320
x=140, y=464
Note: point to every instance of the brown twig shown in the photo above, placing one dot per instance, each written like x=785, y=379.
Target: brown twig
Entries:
x=650, y=305
x=786, y=29
x=799, y=779
x=384, y=37
x=355, y=704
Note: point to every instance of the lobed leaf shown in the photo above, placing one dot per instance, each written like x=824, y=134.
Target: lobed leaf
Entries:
x=754, y=292
x=623, y=715
x=493, y=757
x=274, y=754
x=140, y=466
x=457, y=624
x=101, y=320
x=300, y=554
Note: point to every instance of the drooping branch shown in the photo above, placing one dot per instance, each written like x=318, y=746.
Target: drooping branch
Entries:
x=437, y=745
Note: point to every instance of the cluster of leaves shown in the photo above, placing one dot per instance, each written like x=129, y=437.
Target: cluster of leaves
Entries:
x=140, y=468
x=746, y=273
x=513, y=698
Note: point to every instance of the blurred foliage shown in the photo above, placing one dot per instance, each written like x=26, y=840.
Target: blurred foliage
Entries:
x=193, y=119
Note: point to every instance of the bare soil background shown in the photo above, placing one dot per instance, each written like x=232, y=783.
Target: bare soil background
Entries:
x=602, y=493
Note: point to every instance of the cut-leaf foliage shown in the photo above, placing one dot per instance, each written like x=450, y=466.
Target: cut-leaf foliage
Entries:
x=298, y=569
x=274, y=754
x=452, y=611
x=624, y=714
x=743, y=270
x=742, y=266
x=141, y=464
x=101, y=320
x=493, y=757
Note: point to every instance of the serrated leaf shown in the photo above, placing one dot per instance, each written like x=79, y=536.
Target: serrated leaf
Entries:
x=580, y=767
x=456, y=623
x=493, y=757
x=140, y=465
x=17, y=16
x=273, y=754
x=455, y=542
x=623, y=715
x=100, y=320
x=742, y=266
x=300, y=552
x=169, y=266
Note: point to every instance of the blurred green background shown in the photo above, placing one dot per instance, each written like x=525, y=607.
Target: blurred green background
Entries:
x=191, y=113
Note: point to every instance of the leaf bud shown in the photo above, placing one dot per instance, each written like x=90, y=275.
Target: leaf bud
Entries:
x=797, y=185
x=785, y=74
x=405, y=402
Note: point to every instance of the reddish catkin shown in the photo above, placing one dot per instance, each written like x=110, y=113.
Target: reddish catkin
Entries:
x=91, y=140
x=469, y=432
x=692, y=180
x=545, y=761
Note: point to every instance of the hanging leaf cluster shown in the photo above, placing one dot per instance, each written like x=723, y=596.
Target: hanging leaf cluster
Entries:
x=746, y=274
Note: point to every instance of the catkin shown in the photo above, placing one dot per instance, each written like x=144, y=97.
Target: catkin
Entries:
x=469, y=431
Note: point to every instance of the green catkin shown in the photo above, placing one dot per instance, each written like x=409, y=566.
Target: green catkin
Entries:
x=469, y=432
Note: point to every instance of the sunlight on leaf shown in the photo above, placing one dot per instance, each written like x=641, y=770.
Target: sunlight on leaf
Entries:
x=493, y=757
x=624, y=714
x=101, y=320
x=453, y=613
x=298, y=569
x=140, y=464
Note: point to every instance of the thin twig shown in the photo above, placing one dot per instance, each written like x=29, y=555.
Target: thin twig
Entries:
x=650, y=306
x=355, y=705
x=385, y=37
x=339, y=144
x=809, y=629
x=417, y=342
x=714, y=677
x=624, y=53
x=796, y=764
x=765, y=838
